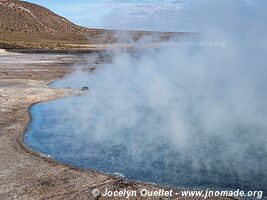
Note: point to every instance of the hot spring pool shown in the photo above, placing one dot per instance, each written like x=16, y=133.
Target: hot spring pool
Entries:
x=166, y=116
x=139, y=155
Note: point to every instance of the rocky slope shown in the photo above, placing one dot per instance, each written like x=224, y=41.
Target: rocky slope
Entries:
x=25, y=25
x=28, y=25
x=27, y=18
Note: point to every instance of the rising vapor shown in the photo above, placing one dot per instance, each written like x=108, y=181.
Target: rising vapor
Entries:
x=193, y=116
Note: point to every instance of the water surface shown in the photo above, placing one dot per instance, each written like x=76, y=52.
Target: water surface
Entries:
x=132, y=152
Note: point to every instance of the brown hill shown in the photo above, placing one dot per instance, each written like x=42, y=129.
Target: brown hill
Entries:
x=27, y=18
x=25, y=25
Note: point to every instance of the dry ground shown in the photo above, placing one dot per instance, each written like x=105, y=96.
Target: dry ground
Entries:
x=25, y=174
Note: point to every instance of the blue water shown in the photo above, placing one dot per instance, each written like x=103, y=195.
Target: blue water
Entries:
x=147, y=159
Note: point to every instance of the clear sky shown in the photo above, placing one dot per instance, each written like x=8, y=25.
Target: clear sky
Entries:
x=120, y=14
x=159, y=15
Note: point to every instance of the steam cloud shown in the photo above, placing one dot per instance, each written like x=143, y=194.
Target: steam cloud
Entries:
x=195, y=115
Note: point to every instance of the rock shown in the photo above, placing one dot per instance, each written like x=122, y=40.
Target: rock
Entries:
x=3, y=51
x=84, y=88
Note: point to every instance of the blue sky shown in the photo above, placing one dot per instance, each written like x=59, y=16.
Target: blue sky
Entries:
x=120, y=14
x=154, y=15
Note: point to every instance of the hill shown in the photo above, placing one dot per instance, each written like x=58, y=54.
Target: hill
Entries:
x=22, y=24
x=25, y=25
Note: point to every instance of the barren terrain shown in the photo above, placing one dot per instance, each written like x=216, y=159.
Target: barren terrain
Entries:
x=28, y=175
x=25, y=25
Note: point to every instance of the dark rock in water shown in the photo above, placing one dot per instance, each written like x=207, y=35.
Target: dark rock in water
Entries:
x=85, y=88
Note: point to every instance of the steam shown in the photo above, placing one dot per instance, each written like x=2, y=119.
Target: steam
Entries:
x=193, y=114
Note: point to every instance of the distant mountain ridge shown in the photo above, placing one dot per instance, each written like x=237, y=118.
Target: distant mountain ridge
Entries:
x=25, y=25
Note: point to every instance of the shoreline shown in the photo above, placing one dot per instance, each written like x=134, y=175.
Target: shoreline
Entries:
x=25, y=174
x=25, y=147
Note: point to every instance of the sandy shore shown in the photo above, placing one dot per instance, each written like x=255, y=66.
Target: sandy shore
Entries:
x=28, y=175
